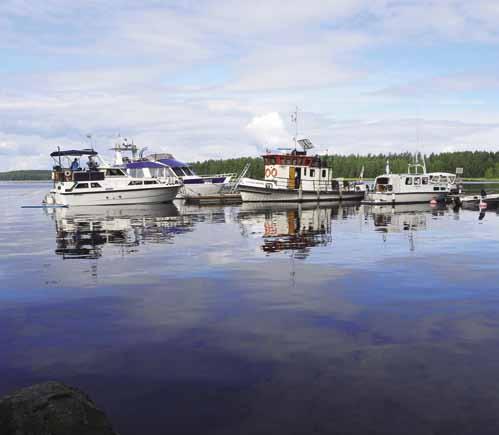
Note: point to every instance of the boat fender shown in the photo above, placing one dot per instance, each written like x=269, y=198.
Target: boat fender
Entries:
x=433, y=201
x=483, y=204
x=274, y=172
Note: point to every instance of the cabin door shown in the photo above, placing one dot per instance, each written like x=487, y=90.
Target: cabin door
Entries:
x=297, y=178
x=291, y=179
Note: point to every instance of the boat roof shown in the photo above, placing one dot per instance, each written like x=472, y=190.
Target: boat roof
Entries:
x=76, y=153
x=173, y=163
x=144, y=164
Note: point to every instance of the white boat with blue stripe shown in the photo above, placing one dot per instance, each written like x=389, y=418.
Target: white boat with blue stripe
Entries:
x=194, y=185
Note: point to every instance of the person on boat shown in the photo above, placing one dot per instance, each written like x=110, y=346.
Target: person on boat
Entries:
x=75, y=165
x=483, y=193
x=92, y=164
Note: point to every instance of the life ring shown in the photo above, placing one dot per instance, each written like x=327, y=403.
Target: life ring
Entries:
x=274, y=172
x=67, y=174
x=267, y=172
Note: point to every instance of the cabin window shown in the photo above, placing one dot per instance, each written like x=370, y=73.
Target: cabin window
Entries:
x=436, y=188
x=408, y=181
x=150, y=182
x=82, y=186
x=135, y=183
x=114, y=172
x=383, y=180
x=95, y=185
x=312, y=172
x=323, y=173
x=305, y=172
x=425, y=180
x=417, y=181
x=389, y=187
x=137, y=173
x=272, y=161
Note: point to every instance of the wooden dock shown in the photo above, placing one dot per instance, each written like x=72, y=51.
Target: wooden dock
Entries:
x=222, y=198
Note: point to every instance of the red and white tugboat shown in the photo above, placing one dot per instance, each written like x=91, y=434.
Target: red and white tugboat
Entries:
x=297, y=177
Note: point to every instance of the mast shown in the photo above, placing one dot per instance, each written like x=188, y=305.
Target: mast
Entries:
x=294, y=118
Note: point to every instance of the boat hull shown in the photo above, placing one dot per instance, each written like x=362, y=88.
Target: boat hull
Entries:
x=117, y=197
x=259, y=194
x=404, y=198
x=204, y=189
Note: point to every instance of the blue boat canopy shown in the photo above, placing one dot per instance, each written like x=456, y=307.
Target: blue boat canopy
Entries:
x=75, y=153
x=144, y=164
x=174, y=163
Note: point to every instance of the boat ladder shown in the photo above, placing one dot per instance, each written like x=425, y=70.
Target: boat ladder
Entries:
x=243, y=173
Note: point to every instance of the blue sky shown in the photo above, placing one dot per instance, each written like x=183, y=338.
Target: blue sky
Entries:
x=212, y=79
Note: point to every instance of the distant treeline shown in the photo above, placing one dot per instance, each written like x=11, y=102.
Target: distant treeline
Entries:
x=33, y=175
x=476, y=164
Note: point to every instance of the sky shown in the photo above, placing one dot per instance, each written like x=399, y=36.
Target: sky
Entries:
x=219, y=79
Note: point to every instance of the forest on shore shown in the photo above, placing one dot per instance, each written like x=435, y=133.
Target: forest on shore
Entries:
x=476, y=164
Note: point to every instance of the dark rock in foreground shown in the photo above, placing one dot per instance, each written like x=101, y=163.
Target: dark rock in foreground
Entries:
x=51, y=408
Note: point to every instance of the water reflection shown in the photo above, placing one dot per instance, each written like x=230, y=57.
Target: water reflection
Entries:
x=402, y=218
x=292, y=228
x=84, y=232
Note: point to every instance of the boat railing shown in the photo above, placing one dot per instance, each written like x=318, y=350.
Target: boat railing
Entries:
x=317, y=185
x=224, y=175
x=62, y=175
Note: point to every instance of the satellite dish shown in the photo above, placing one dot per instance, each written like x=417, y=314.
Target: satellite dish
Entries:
x=306, y=144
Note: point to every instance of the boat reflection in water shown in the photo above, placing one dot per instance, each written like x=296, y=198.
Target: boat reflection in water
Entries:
x=84, y=232
x=291, y=227
x=402, y=218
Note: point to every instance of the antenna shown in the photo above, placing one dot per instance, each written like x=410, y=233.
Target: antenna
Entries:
x=294, y=118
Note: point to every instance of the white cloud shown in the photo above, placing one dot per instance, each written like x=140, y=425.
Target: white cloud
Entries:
x=209, y=79
x=269, y=130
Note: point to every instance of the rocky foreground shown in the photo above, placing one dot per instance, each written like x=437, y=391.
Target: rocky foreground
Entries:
x=51, y=408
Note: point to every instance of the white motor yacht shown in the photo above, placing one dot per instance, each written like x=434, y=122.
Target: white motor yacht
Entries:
x=415, y=186
x=102, y=184
x=193, y=185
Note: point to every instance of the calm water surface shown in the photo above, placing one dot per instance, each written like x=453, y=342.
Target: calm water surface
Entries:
x=256, y=319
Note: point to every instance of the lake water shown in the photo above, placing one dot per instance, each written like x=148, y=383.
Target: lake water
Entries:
x=280, y=319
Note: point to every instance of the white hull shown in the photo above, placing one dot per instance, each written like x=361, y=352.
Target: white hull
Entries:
x=403, y=198
x=253, y=194
x=201, y=189
x=118, y=197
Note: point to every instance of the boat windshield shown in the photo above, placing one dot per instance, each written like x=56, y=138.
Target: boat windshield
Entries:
x=178, y=172
x=382, y=180
x=187, y=170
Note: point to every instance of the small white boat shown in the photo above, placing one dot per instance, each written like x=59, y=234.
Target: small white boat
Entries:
x=481, y=201
x=102, y=184
x=412, y=187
